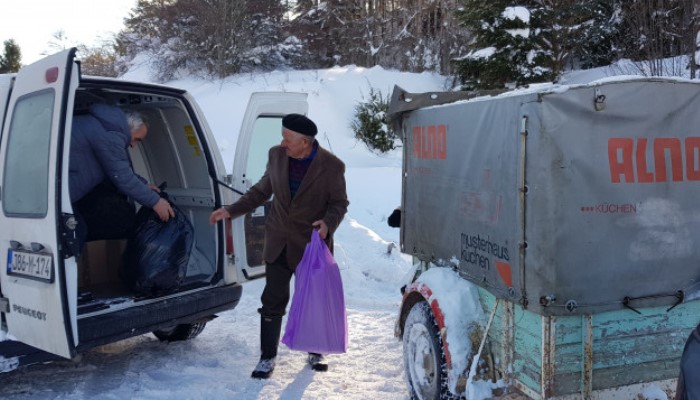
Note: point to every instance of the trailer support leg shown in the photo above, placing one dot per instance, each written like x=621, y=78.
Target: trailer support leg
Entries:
x=587, y=370
x=548, y=355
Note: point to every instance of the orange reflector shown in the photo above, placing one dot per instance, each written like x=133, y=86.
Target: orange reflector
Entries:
x=52, y=75
x=229, y=236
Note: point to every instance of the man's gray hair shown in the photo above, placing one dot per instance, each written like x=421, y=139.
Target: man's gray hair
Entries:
x=135, y=120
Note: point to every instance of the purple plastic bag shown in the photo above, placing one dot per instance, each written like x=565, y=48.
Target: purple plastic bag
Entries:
x=317, y=322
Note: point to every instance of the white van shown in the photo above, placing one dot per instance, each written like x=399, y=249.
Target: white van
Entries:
x=56, y=304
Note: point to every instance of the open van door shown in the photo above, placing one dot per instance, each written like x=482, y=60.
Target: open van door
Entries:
x=260, y=130
x=38, y=286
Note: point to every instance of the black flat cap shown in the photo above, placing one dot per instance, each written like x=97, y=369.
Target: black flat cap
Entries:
x=300, y=124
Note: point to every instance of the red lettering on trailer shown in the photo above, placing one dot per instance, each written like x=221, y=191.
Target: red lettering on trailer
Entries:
x=627, y=158
x=505, y=272
x=430, y=142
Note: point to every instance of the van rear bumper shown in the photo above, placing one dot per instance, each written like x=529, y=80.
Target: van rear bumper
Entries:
x=109, y=328
x=141, y=319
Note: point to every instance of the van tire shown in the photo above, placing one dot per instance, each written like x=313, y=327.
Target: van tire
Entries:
x=423, y=355
x=180, y=332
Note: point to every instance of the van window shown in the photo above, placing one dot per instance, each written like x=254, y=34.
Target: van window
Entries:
x=267, y=132
x=26, y=180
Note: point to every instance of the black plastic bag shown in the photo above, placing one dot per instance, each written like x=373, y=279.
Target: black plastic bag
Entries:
x=157, y=254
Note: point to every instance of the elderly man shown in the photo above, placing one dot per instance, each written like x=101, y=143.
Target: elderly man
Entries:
x=307, y=186
x=102, y=182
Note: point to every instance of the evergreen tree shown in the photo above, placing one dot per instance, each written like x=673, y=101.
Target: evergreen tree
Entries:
x=575, y=33
x=11, y=59
x=598, y=44
x=501, y=45
x=535, y=41
x=370, y=125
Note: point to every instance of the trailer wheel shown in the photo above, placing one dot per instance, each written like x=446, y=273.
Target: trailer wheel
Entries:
x=424, y=359
x=180, y=332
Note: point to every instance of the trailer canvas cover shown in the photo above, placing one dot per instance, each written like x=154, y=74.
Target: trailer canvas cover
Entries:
x=566, y=199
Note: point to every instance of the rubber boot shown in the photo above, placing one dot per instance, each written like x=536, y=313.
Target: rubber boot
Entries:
x=270, y=328
x=315, y=360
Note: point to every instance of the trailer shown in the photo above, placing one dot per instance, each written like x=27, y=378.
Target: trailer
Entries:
x=569, y=213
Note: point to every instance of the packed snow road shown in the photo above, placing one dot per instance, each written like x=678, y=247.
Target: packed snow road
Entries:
x=217, y=364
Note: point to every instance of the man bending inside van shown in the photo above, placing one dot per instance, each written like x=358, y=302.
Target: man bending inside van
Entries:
x=102, y=182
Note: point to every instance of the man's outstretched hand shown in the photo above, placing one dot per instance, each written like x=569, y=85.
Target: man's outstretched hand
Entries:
x=218, y=214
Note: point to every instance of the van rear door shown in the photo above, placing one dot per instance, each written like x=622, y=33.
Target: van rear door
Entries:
x=39, y=293
x=260, y=130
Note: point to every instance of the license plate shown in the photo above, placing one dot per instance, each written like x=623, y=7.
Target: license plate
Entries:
x=30, y=265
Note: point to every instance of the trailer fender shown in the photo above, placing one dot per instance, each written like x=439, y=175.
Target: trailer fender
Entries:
x=417, y=292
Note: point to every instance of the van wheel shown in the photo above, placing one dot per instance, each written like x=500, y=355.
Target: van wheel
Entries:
x=180, y=332
x=424, y=359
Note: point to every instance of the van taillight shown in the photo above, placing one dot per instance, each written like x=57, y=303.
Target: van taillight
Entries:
x=51, y=75
x=229, y=236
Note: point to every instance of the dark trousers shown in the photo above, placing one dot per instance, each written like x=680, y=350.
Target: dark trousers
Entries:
x=103, y=214
x=275, y=296
x=274, y=300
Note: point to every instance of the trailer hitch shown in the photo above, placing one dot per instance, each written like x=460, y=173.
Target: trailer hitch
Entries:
x=679, y=295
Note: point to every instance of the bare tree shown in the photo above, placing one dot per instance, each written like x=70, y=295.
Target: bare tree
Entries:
x=212, y=37
x=98, y=60
x=58, y=42
x=414, y=35
x=656, y=35
x=692, y=28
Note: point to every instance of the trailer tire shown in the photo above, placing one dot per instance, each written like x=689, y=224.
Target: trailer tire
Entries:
x=423, y=355
x=180, y=332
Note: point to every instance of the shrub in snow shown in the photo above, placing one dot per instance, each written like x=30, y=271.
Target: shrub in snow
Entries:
x=369, y=123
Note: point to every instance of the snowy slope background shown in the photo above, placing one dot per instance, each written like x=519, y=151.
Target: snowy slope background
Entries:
x=217, y=364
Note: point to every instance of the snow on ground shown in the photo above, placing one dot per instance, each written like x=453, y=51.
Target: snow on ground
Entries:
x=217, y=364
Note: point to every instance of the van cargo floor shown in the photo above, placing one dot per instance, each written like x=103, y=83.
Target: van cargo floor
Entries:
x=96, y=298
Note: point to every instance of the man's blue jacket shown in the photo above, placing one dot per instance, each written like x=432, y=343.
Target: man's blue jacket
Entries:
x=99, y=151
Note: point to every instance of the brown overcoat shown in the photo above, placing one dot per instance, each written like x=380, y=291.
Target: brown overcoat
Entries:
x=321, y=195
